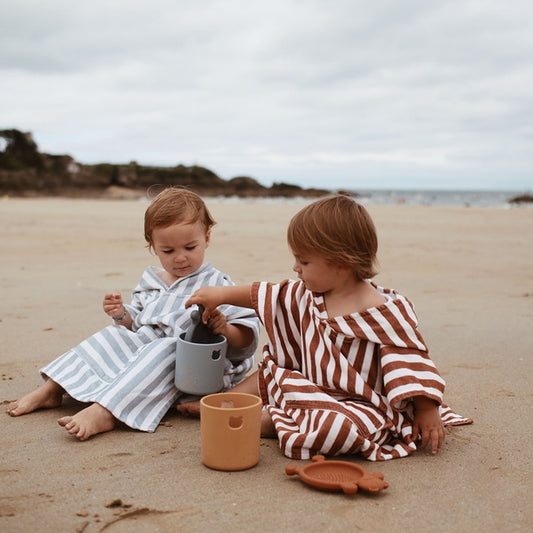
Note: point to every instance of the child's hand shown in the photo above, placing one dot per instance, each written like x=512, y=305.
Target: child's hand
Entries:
x=209, y=297
x=217, y=322
x=428, y=425
x=113, y=305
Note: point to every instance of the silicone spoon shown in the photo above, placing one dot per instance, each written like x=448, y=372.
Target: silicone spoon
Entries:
x=198, y=332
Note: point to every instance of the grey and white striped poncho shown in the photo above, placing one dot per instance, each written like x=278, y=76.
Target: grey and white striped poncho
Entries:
x=131, y=372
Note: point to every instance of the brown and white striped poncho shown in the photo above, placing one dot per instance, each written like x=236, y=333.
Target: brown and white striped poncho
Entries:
x=343, y=385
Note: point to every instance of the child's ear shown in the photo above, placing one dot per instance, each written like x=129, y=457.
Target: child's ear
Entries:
x=343, y=269
x=207, y=237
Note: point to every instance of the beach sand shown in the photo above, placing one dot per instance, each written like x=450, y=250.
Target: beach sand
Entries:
x=469, y=273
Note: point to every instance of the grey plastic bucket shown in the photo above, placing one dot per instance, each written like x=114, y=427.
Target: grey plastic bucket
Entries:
x=200, y=367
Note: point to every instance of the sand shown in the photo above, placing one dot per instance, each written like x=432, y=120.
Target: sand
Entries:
x=468, y=271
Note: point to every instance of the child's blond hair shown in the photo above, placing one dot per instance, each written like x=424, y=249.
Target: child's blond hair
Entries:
x=338, y=229
x=175, y=205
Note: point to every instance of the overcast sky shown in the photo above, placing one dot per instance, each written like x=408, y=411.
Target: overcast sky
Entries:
x=330, y=93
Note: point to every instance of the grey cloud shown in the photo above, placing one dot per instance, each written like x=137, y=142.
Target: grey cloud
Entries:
x=280, y=90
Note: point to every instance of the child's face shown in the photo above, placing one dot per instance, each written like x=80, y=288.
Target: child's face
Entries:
x=317, y=274
x=181, y=247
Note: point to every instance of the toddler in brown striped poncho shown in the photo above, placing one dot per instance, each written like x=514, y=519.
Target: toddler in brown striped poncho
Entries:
x=345, y=369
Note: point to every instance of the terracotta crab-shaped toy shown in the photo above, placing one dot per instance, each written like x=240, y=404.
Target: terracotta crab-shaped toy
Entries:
x=338, y=475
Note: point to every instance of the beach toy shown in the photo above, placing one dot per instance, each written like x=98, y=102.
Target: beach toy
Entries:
x=200, y=358
x=230, y=429
x=338, y=475
x=198, y=332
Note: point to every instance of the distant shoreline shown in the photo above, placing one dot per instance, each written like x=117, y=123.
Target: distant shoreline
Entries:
x=447, y=198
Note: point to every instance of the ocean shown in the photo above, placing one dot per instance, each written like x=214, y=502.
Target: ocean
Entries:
x=448, y=198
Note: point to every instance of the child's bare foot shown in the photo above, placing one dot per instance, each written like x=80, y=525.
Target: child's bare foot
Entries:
x=88, y=422
x=47, y=396
x=190, y=408
x=268, y=430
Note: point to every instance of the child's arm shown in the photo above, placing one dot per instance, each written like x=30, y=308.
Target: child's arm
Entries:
x=114, y=307
x=428, y=424
x=212, y=297
x=238, y=335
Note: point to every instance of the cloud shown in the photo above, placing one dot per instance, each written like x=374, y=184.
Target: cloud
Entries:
x=397, y=93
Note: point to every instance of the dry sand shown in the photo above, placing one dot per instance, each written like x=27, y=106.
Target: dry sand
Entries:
x=469, y=273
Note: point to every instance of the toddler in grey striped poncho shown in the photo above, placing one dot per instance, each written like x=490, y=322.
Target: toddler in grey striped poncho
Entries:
x=126, y=371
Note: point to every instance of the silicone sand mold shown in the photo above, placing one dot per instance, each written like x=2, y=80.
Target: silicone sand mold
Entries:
x=338, y=475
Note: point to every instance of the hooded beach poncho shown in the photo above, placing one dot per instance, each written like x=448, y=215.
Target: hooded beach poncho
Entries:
x=343, y=385
x=131, y=372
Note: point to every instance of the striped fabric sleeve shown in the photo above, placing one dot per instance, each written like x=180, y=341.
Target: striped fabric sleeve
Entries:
x=407, y=369
x=281, y=322
x=407, y=374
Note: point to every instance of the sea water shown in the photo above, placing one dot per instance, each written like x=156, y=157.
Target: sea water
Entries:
x=446, y=198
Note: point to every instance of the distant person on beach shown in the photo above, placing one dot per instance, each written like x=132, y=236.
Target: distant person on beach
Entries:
x=126, y=370
x=345, y=369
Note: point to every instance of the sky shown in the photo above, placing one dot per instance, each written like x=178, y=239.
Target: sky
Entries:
x=336, y=94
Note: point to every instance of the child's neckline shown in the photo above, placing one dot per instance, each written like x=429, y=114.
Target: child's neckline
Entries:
x=323, y=310
x=157, y=271
x=372, y=299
